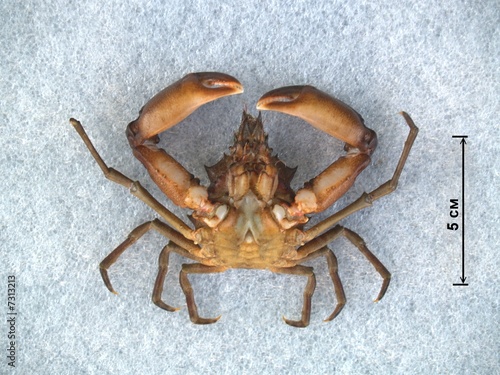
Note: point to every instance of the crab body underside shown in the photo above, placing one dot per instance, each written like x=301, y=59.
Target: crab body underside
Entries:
x=249, y=216
x=246, y=186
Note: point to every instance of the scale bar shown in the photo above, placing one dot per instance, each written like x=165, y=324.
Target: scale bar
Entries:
x=462, y=143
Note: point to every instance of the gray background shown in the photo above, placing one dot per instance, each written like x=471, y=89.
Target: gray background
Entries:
x=101, y=61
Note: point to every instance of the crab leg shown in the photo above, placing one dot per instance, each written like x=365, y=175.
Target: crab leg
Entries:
x=316, y=245
x=337, y=119
x=331, y=260
x=189, y=249
x=308, y=292
x=162, y=273
x=188, y=289
x=134, y=187
x=163, y=111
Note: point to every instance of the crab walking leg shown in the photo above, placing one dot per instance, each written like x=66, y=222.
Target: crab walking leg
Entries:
x=134, y=187
x=112, y=257
x=331, y=260
x=308, y=292
x=366, y=200
x=190, y=248
x=163, y=111
x=188, y=289
x=337, y=119
x=162, y=272
x=319, y=242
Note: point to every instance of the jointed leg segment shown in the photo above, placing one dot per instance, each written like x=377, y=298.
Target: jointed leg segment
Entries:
x=308, y=292
x=333, y=270
x=188, y=290
x=192, y=251
x=312, y=247
x=162, y=268
x=162, y=272
x=160, y=278
x=115, y=254
x=135, y=187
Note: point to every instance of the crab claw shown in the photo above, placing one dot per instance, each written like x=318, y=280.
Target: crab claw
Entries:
x=336, y=119
x=323, y=112
x=174, y=103
x=163, y=111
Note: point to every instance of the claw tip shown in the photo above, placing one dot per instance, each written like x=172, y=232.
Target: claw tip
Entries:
x=214, y=80
x=282, y=95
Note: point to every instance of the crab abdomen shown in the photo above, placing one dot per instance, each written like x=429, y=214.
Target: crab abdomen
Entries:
x=249, y=237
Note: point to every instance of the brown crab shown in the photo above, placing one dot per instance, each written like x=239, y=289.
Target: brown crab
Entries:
x=249, y=217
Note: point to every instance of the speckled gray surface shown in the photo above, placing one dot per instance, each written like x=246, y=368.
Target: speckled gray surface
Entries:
x=101, y=61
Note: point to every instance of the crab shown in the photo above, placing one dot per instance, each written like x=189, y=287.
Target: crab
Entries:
x=249, y=216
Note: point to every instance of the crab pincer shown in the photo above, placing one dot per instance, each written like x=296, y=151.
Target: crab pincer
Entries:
x=170, y=106
x=337, y=119
x=177, y=101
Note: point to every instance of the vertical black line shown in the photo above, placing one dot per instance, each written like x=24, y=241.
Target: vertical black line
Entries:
x=463, y=208
x=462, y=279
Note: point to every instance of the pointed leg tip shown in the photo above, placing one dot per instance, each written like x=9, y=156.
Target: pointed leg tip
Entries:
x=295, y=323
x=384, y=288
x=333, y=315
x=111, y=289
x=379, y=297
x=107, y=282
x=203, y=321
x=170, y=308
x=164, y=306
